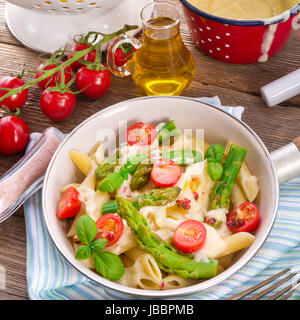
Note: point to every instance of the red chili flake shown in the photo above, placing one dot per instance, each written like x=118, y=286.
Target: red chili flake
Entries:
x=185, y=203
x=203, y=193
x=125, y=189
x=211, y=221
x=161, y=286
x=196, y=195
x=224, y=184
x=77, y=241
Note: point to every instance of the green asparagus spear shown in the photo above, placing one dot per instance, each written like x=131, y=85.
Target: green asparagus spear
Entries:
x=141, y=176
x=167, y=257
x=107, y=167
x=155, y=197
x=168, y=131
x=220, y=197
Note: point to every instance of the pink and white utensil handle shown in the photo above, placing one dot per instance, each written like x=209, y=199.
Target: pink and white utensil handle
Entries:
x=282, y=89
x=26, y=177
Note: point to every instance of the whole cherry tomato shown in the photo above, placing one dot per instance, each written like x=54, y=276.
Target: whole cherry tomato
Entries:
x=190, y=236
x=141, y=133
x=110, y=226
x=76, y=65
x=14, y=135
x=69, y=204
x=57, y=106
x=123, y=54
x=17, y=100
x=50, y=81
x=94, y=83
x=244, y=218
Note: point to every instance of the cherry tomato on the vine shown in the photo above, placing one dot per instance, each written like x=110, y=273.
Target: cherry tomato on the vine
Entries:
x=50, y=81
x=57, y=106
x=94, y=83
x=14, y=135
x=124, y=54
x=17, y=100
x=110, y=226
x=76, y=65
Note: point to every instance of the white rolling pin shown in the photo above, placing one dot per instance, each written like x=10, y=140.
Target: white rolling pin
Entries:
x=282, y=89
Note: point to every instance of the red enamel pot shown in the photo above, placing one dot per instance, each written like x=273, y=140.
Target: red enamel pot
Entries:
x=240, y=41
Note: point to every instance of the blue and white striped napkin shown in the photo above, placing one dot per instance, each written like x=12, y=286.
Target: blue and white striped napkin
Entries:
x=51, y=277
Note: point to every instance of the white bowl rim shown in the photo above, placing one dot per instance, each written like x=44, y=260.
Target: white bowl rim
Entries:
x=185, y=290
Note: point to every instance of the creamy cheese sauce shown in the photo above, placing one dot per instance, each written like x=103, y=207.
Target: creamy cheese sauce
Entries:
x=244, y=9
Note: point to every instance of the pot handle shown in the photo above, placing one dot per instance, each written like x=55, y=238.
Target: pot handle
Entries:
x=27, y=175
x=287, y=161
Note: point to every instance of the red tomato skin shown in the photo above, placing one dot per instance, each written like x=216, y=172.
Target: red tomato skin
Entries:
x=75, y=66
x=69, y=204
x=50, y=82
x=57, y=106
x=121, y=58
x=95, y=83
x=14, y=135
x=190, y=243
x=243, y=225
x=17, y=100
x=116, y=221
x=131, y=140
x=165, y=173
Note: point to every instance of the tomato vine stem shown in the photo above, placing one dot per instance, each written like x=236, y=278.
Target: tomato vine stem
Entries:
x=77, y=56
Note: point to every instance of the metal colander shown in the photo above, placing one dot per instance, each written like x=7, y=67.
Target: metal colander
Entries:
x=46, y=25
x=65, y=6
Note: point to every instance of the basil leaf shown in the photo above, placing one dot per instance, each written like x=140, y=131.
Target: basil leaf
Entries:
x=214, y=153
x=215, y=170
x=183, y=157
x=86, y=229
x=112, y=182
x=133, y=162
x=99, y=244
x=83, y=252
x=109, y=265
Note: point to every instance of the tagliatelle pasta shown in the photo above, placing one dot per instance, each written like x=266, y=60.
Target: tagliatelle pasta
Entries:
x=163, y=209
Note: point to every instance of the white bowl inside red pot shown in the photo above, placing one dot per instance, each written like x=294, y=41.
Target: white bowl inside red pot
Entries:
x=239, y=40
x=218, y=127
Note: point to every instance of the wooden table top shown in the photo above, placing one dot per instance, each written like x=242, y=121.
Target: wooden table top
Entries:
x=234, y=84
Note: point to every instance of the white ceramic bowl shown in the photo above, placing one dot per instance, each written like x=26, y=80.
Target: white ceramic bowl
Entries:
x=187, y=113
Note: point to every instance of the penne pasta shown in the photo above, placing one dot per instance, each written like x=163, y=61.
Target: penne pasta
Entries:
x=236, y=242
x=81, y=160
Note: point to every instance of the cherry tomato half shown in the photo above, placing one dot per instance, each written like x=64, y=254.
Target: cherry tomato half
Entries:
x=76, y=65
x=50, y=81
x=190, y=236
x=110, y=226
x=165, y=173
x=57, y=106
x=94, y=82
x=17, y=100
x=14, y=135
x=69, y=204
x=141, y=133
x=244, y=218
